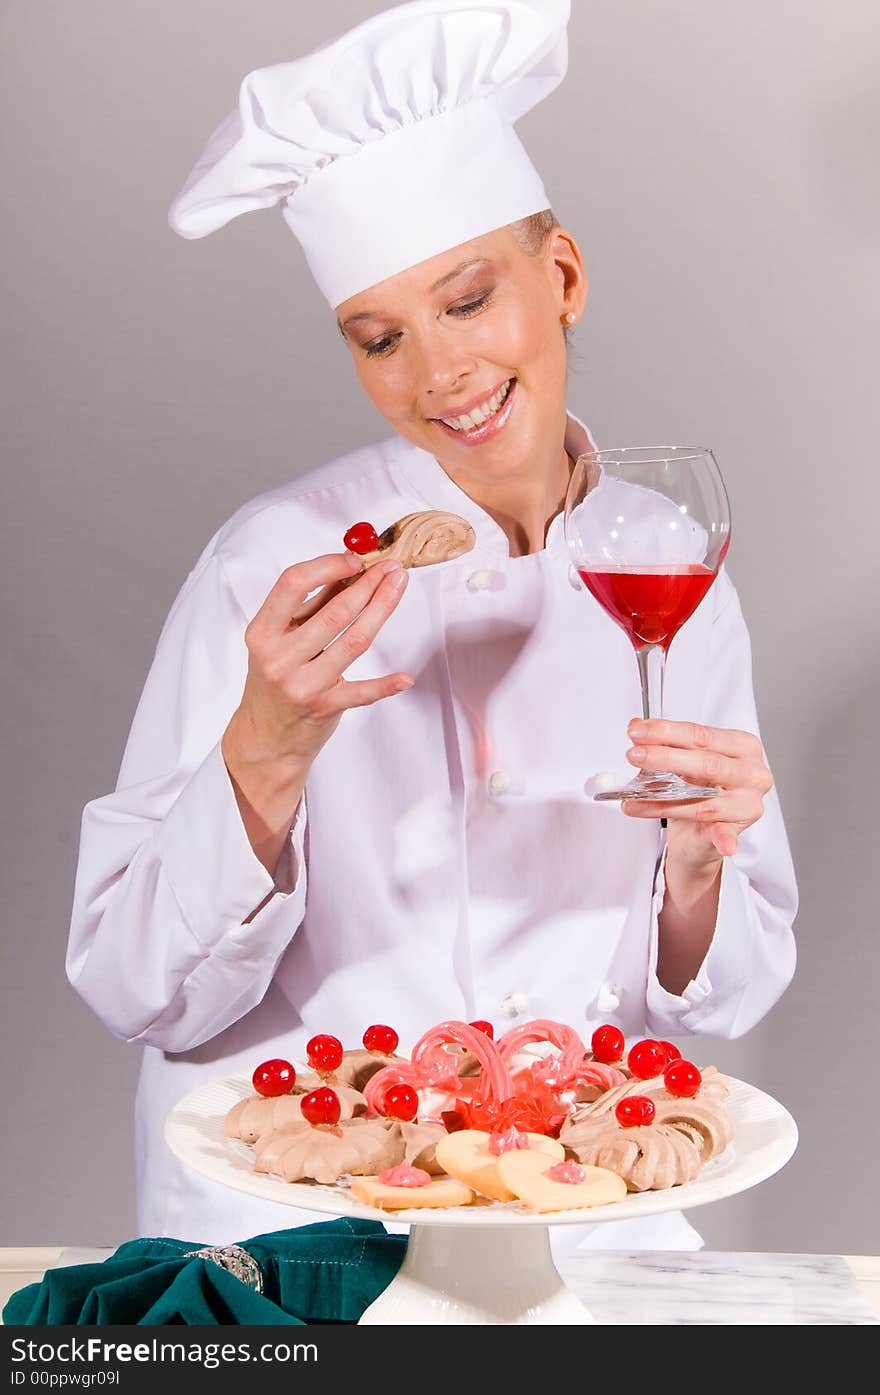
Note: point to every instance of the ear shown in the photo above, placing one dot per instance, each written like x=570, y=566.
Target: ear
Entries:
x=567, y=268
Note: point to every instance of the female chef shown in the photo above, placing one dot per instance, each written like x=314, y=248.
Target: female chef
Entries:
x=341, y=805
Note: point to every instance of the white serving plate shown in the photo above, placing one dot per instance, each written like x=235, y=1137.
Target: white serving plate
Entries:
x=468, y=1275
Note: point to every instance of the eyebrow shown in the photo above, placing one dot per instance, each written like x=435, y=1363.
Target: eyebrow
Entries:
x=437, y=285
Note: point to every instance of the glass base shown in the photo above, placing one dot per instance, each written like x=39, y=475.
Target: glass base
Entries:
x=658, y=785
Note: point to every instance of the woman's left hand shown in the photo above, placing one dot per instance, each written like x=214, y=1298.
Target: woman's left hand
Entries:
x=707, y=830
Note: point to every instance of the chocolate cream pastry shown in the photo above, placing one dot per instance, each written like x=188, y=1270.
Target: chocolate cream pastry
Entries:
x=257, y=1115
x=307, y=1153
x=421, y=539
x=683, y=1134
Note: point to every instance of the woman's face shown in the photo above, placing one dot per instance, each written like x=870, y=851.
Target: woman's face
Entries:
x=464, y=354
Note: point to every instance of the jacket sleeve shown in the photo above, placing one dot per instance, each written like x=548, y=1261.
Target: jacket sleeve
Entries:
x=166, y=875
x=751, y=959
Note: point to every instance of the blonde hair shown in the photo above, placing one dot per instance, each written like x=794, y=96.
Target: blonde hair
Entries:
x=532, y=232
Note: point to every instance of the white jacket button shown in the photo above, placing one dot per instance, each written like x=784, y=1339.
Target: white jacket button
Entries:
x=514, y=1004
x=609, y=998
x=499, y=782
x=479, y=581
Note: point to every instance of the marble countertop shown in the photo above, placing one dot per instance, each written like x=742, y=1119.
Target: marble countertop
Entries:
x=700, y=1288
x=706, y=1288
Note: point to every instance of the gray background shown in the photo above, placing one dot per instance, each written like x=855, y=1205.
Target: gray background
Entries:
x=719, y=164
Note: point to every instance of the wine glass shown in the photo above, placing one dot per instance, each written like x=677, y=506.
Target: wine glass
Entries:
x=647, y=528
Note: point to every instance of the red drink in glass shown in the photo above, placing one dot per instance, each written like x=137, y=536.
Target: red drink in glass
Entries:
x=647, y=529
x=650, y=603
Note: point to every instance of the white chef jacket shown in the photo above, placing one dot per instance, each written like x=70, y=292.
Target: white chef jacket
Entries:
x=447, y=860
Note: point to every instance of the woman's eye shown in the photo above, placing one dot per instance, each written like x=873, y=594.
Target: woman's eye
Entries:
x=471, y=306
x=381, y=346
x=388, y=342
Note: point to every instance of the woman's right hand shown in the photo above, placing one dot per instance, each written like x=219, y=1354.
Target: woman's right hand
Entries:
x=295, y=692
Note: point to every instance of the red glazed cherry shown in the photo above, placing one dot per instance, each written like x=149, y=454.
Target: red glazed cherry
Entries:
x=383, y=1039
x=672, y=1052
x=324, y=1054
x=633, y=1110
x=647, y=1058
x=361, y=538
x=275, y=1077
x=321, y=1106
x=485, y=1027
x=682, y=1078
x=607, y=1044
x=400, y=1102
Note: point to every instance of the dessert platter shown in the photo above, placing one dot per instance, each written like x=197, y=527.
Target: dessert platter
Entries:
x=480, y=1145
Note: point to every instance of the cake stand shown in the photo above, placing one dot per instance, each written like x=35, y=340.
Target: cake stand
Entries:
x=487, y=1263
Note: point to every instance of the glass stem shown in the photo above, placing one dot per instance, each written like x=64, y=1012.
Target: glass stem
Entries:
x=652, y=666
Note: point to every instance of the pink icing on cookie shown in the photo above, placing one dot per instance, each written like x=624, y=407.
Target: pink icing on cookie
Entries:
x=404, y=1175
x=507, y=1141
x=566, y=1172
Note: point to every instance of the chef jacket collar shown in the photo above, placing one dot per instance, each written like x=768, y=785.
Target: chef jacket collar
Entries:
x=425, y=475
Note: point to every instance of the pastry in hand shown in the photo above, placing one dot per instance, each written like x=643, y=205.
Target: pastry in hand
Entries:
x=416, y=540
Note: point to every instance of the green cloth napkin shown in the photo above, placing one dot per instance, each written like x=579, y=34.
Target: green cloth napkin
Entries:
x=327, y=1272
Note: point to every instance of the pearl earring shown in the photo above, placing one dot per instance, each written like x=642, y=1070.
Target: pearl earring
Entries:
x=570, y=317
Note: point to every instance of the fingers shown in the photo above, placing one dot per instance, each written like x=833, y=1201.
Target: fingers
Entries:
x=294, y=585
x=743, y=807
x=692, y=735
x=366, y=691
x=723, y=834
x=317, y=600
x=328, y=620
x=731, y=760
x=704, y=767
x=330, y=665
x=721, y=820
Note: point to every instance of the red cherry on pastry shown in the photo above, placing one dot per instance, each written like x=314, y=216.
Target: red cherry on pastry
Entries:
x=607, y=1044
x=379, y=1038
x=361, y=538
x=682, y=1078
x=647, y=1058
x=275, y=1077
x=400, y=1102
x=672, y=1052
x=633, y=1110
x=324, y=1054
x=321, y=1106
x=485, y=1027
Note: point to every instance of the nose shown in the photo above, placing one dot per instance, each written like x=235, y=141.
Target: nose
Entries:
x=444, y=366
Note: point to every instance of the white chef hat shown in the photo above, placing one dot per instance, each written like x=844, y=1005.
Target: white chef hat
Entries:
x=391, y=143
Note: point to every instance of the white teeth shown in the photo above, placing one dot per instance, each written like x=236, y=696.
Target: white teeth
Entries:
x=478, y=415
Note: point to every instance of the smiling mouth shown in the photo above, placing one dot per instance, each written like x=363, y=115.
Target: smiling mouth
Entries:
x=478, y=416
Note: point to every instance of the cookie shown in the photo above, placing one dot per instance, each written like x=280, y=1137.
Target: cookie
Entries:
x=529, y=1177
x=441, y=1191
x=468, y=1156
